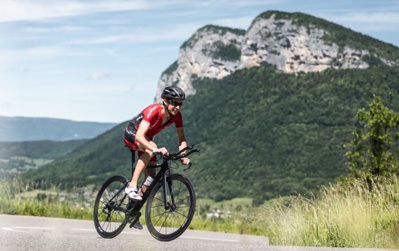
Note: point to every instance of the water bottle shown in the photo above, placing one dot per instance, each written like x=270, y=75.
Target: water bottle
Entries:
x=146, y=184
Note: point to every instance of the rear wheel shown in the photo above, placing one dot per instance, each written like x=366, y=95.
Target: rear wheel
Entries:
x=168, y=223
x=111, y=201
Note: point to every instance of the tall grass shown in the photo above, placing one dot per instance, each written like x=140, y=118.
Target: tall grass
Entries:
x=21, y=198
x=359, y=215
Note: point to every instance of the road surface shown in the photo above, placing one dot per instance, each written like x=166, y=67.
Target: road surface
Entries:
x=39, y=233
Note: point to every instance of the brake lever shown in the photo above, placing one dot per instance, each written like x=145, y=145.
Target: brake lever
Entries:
x=190, y=152
x=185, y=149
x=189, y=166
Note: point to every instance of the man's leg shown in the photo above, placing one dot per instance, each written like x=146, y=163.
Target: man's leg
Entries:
x=142, y=162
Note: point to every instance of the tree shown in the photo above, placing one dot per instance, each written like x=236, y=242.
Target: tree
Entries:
x=373, y=152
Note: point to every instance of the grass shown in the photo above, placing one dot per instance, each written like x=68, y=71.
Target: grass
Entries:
x=338, y=216
x=17, y=197
x=359, y=215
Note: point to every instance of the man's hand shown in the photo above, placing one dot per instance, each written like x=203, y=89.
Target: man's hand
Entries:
x=161, y=150
x=185, y=161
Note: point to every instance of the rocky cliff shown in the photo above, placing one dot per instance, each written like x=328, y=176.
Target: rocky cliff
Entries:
x=294, y=43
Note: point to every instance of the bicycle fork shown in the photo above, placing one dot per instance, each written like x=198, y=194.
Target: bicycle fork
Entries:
x=167, y=187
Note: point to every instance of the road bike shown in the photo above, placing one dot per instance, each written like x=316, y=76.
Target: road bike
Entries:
x=170, y=202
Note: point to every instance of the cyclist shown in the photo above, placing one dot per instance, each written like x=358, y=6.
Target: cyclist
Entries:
x=139, y=135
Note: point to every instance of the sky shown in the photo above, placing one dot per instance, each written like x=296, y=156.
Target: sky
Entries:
x=100, y=60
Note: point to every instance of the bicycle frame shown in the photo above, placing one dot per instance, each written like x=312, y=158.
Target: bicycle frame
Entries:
x=163, y=174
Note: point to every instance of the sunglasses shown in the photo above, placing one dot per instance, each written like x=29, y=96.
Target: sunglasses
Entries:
x=175, y=103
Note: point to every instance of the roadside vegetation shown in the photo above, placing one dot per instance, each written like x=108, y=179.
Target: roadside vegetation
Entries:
x=357, y=216
x=361, y=209
x=25, y=198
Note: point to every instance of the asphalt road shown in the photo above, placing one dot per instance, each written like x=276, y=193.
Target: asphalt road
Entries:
x=38, y=233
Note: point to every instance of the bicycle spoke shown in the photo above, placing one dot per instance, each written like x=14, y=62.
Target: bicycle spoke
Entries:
x=155, y=216
x=166, y=217
x=181, y=202
x=185, y=215
x=163, y=224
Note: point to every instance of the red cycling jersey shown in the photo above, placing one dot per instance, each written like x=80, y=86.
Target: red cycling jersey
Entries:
x=153, y=116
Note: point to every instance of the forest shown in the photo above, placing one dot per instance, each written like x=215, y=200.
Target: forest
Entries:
x=263, y=134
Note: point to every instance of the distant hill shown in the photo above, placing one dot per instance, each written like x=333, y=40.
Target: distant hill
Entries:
x=13, y=129
x=275, y=128
x=18, y=157
x=39, y=149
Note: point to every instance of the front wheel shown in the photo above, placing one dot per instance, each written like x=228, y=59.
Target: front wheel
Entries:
x=168, y=222
x=111, y=201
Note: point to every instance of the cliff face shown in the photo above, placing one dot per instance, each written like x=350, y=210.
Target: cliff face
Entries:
x=205, y=54
x=293, y=48
x=274, y=37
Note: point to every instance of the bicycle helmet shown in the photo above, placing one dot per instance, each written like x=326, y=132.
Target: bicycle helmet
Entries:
x=173, y=92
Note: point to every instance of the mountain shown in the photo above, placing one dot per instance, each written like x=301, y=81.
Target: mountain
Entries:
x=271, y=110
x=293, y=42
x=14, y=129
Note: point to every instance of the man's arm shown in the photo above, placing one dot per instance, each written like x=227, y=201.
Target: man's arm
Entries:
x=182, y=138
x=182, y=143
x=144, y=143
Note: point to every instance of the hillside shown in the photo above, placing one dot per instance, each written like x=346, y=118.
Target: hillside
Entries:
x=267, y=134
x=264, y=132
x=18, y=157
x=39, y=149
x=90, y=163
x=14, y=129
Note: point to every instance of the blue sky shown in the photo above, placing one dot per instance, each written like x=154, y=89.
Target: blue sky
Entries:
x=100, y=60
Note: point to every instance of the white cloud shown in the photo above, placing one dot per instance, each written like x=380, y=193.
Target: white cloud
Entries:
x=178, y=32
x=98, y=75
x=61, y=29
x=232, y=4
x=46, y=51
x=23, y=10
x=236, y=23
x=368, y=21
x=20, y=10
x=5, y=106
x=365, y=17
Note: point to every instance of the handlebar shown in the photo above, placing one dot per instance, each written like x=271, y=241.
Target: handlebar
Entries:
x=180, y=155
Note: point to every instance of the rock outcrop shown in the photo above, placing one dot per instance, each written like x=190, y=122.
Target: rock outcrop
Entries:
x=273, y=37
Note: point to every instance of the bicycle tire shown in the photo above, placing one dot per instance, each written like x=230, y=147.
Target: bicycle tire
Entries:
x=107, y=221
x=168, y=224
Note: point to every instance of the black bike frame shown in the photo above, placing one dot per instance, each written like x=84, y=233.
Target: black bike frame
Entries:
x=162, y=174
